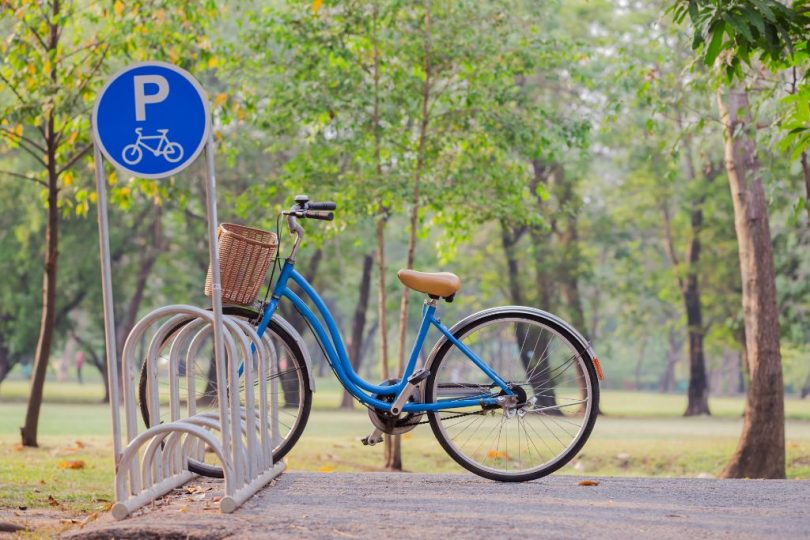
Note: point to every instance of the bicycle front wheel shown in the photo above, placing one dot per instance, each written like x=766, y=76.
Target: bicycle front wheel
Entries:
x=544, y=426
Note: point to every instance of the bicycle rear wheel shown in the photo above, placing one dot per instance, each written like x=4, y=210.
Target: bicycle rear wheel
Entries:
x=294, y=393
x=552, y=416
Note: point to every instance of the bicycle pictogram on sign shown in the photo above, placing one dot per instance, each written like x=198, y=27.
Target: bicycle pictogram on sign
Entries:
x=170, y=151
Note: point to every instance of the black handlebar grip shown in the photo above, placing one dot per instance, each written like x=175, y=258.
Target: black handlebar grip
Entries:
x=323, y=216
x=326, y=205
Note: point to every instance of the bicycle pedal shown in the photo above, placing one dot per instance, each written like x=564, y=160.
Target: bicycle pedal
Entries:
x=419, y=376
x=376, y=437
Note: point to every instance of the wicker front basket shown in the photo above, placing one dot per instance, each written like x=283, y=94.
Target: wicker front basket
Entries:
x=245, y=255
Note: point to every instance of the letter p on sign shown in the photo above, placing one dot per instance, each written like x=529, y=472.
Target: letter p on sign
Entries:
x=142, y=98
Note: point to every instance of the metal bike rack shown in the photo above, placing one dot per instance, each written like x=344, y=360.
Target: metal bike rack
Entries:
x=151, y=463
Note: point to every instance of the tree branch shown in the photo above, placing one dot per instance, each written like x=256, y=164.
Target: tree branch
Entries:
x=80, y=154
x=36, y=35
x=25, y=177
x=31, y=151
x=10, y=133
x=13, y=88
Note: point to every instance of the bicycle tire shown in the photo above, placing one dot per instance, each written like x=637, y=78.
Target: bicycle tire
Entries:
x=297, y=356
x=580, y=357
x=173, y=152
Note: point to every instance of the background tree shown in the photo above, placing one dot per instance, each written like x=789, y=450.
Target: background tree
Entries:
x=747, y=32
x=51, y=69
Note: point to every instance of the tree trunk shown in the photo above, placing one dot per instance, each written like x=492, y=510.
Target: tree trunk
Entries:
x=358, y=325
x=28, y=431
x=508, y=240
x=761, y=449
x=393, y=460
x=689, y=287
x=43, y=352
x=382, y=297
x=698, y=394
x=570, y=266
x=537, y=369
x=5, y=362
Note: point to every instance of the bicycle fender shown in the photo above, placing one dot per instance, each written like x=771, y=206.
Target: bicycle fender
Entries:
x=466, y=321
x=290, y=329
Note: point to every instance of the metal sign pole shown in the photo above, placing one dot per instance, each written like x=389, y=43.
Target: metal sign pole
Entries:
x=107, y=294
x=216, y=298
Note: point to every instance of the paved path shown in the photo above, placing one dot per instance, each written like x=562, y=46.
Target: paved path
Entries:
x=380, y=505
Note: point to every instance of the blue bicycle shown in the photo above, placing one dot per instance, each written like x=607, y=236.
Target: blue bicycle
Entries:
x=511, y=393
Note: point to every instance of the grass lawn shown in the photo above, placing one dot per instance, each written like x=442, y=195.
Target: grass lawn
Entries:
x=640, y=435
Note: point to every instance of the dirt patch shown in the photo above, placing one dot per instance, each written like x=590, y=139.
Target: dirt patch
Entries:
x=37, y=522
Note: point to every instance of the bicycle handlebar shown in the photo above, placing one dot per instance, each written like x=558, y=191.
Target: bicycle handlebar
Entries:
x=326, y=205
x=306, y=210
x=308, y=214
x=323, y=216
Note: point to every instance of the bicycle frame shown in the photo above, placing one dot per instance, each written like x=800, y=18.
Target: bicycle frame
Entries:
x=161, y=140
x=338, y=359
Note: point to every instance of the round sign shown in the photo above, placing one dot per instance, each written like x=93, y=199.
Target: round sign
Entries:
x=151, y=119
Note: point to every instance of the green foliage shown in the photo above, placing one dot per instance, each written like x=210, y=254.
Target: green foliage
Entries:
x=741, y=30
x=55, y=58
x=339, y=94
x=734, y=34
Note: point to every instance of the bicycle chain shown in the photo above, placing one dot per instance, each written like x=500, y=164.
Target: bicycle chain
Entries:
x=446, y=418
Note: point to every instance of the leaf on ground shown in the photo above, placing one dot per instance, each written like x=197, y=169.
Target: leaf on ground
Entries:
x=183, y=509
x=19, y=447
x=52, y=501
x=80, y=444
x=588, y=483
x=77, y=464
x=497, y=454
x=88, y=519
x=326, y=468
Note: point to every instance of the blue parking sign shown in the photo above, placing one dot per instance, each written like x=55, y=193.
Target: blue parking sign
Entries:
x=151, y=119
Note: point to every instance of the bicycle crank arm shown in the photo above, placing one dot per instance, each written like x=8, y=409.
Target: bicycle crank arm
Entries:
x=407, y=392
